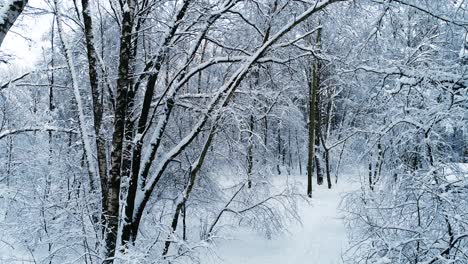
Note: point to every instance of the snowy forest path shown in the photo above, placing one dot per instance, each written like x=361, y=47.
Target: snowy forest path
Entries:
x=320, y=239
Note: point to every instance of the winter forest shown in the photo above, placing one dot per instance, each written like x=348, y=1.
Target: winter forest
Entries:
x=234, y=131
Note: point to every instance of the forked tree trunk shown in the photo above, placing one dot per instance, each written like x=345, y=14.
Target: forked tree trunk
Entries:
x=131, y=220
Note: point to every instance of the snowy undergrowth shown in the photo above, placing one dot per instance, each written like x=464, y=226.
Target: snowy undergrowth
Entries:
x=321, y=238
x=414, y=217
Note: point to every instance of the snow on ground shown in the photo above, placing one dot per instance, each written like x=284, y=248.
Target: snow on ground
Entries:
x=320, y=240
x=456, y=171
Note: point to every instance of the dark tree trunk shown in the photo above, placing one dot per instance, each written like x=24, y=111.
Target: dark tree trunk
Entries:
x=311, y=137
x=113, y=203
x=371, y=182
x=314, y=85
x=97, y=105
x=13, y=11
x=318, y=132
x=132, y=219
x=327, y=168
x=299, y=158
x=249, y=152
x=279, y=147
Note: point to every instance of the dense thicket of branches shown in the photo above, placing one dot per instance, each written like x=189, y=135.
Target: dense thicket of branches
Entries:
x=153, y=127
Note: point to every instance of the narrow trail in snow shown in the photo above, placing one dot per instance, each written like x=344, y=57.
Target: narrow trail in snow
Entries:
x=320, y=240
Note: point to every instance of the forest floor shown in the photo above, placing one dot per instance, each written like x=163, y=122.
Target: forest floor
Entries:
x=321, y=239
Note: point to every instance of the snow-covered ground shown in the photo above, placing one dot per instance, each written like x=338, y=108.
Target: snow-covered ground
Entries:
x=319, y=240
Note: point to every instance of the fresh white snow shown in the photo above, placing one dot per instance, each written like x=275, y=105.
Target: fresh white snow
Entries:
x=319, y=240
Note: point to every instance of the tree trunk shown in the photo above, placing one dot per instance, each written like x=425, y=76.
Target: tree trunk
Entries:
x=327, y=167
x=299, y=158
x=87, y=153
x=279, y=146
x=132, y=219
x=113, y=203
x=371, y=182
x=12, y=12
x=188, y=189
x=249, y=153
x=97, y=105
x=313, y=113
x=318, y=130
x=311, y=136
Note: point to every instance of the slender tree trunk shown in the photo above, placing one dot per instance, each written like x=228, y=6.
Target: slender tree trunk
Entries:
x=279, y=146
x=299, y=158
x=249, y=152
x=378, y=163
x=10, y=160
x=97, y=104
x=202, y=56
x=113, y=203
x=131, y=218
x=318, y=169
x=265, y=138
x=337, y=170
x=313, y=112
x=318, y=132
x=290, y=163
x=188, y=189
x=371, y=182
x=318, y=111
x=327, y=168
x=311, y=137
x=87, y=152
x=51, y=79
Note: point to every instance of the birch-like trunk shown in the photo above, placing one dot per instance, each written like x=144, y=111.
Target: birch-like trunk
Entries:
x=113, y=203
x=97, y=105
x=88, y=153
x=8, y=15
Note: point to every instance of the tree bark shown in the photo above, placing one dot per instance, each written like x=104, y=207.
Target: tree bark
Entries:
x=97, y=105
x=131, y=222
x=313, y=93
x=9, y=13
x=311, y=136
x=113, y=203
x=249, y=152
